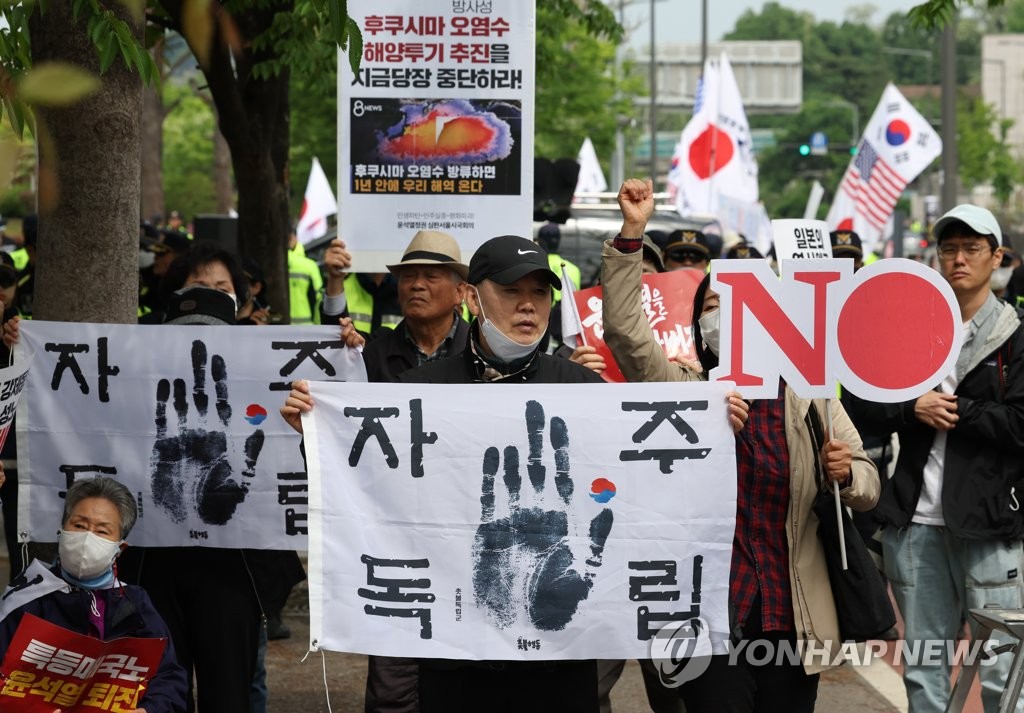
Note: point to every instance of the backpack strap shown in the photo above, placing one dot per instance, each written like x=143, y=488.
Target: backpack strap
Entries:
x=813, y=420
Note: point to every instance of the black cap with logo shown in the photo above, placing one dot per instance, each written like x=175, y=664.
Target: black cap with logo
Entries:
x=507, y=258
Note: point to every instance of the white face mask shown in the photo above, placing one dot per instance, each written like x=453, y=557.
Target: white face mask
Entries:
x=709, y=325
x=1000, y=278
x=503, y=347
x=86, y=555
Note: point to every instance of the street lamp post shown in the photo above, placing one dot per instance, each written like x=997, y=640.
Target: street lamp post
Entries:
x=654, y=102
x=949, y=155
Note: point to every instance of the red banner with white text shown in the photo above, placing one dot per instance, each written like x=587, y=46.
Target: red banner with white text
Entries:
x=668, y=304
x=48, y=669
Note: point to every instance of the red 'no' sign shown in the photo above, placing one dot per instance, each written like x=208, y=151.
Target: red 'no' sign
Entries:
x=887, y=333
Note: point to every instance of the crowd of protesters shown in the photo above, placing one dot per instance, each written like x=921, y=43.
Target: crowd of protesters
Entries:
x=945, y=511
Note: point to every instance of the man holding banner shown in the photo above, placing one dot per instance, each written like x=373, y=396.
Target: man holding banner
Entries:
x=509, y=293
x=953, y=524
x=779, y=585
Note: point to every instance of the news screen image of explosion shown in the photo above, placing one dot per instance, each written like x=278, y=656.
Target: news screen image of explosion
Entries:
x=439, y=140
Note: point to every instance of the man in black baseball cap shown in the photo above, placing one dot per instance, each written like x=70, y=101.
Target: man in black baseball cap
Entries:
x=510, y=294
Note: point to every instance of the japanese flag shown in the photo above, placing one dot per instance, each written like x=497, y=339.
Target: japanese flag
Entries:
x=319, y=203
x=715, y=153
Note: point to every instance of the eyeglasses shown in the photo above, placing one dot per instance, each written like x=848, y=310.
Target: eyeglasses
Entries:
x=971, y=251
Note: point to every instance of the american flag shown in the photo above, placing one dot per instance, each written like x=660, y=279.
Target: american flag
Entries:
x=698, y=97
x=873, y=185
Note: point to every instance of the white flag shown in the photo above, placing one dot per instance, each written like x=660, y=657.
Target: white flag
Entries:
x=591, y=178
x=316, y=206
x=716, y=155
x=814, y=200
x=898, y=144
x=572, y=325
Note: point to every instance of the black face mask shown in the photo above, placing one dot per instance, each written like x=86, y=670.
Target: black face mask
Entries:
x=8, y=276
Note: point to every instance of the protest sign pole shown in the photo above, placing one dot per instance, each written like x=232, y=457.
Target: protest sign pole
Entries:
x=573, y=317
x=835, y=488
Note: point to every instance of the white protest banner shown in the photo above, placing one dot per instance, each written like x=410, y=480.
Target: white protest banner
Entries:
x=538, y=521
x=822, y=323
x=437, y=126
x=185, y=416
x=800, y=240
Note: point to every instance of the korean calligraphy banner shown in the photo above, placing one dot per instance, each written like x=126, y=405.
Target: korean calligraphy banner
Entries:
x=438, y=125
x=49, y=668
x=548, y=521
x=186, y=417
x=668, y=304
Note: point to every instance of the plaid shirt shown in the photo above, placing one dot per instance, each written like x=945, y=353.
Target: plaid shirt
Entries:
x=760, y=554
x=442, y=350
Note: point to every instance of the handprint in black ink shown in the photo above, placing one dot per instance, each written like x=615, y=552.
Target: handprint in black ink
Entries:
x=523, y=562
x=192, y=470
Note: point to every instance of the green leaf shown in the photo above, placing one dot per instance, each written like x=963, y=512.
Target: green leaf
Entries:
x=15, y=116
x=57, y=84
x=355, y=45
x=108, y=53
x=337, y=24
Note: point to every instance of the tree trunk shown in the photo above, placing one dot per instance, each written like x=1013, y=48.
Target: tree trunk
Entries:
x=223, y=189
x=88, y=243
x=253, y=115
x=152, y=154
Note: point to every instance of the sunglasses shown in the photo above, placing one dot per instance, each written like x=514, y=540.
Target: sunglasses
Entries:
x=685, y=256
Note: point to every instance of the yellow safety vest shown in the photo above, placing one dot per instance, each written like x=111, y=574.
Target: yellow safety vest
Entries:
x=303, y=276
x=360, y=307
x=555, y=263
x=20, y=257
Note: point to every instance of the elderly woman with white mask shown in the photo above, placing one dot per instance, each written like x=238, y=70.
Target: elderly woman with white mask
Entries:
x=81, y=591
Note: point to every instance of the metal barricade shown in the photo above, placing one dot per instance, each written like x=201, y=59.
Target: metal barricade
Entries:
x=1007, y=621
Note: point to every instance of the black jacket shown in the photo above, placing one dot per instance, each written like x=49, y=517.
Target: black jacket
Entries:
x=389, y=353
x=982, y=491
x=467, y=367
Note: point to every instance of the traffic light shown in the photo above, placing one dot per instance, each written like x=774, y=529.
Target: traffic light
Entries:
x=805, y=150
x=853, y=150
